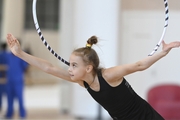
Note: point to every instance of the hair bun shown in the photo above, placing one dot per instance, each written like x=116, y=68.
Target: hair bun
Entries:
x=92, y=40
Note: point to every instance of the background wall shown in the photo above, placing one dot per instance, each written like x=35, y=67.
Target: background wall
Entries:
x=141, y=28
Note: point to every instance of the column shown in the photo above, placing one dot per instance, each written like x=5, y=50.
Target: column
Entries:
x=13, y=17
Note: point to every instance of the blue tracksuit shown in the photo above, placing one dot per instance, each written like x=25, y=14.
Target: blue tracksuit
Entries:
x=15, y=84
x=3, y=61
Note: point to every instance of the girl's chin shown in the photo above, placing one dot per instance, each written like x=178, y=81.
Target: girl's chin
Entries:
x=73, y=78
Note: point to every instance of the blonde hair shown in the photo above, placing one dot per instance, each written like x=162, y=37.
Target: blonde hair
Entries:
x=88, y=54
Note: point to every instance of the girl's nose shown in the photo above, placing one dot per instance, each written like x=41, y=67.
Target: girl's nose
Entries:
x=69, y=69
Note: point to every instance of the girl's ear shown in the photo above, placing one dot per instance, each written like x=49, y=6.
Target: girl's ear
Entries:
x=89, y=68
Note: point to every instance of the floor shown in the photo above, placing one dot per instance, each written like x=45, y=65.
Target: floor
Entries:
x=42, y=103
x=43, y=115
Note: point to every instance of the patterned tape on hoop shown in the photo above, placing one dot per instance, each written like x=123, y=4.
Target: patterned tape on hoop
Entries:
x=41, y=35
x=165, y=27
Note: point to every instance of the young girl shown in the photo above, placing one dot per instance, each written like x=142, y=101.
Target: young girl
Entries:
x=107, y=85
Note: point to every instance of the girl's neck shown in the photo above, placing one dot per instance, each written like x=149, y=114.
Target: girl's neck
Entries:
x=92, y=81
x=90, y=78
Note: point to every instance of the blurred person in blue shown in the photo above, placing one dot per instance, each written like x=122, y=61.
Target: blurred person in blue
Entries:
x=15, y=84
x=3, y=68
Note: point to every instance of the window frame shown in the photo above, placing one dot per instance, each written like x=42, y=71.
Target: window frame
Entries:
x=47, y=14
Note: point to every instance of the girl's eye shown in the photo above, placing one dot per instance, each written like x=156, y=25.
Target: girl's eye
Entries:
x=74, y=65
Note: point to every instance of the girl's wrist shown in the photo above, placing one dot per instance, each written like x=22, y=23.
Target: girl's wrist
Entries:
x=164, y=53
x=19, y=53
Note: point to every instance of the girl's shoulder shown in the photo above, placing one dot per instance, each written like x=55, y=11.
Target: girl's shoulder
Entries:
x=110, y=77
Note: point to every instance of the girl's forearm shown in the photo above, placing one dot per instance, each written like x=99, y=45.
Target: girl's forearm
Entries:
x=35, y=61
x=150, y=60
x=44, y=65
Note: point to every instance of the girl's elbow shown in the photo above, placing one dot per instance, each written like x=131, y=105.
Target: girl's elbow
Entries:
x=47, y=69
x=144, y=67
x=141, y=66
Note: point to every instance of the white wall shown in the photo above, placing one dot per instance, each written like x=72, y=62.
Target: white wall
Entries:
x=141, y=32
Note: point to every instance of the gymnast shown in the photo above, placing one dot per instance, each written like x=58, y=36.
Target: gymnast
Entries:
x=107, y=86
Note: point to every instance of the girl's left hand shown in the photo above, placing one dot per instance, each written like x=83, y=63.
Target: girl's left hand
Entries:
x=167, y=47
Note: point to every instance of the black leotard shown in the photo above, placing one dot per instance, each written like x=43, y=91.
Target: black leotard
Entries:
x=121, y=102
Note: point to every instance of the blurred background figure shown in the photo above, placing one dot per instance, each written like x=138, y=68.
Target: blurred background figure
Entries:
x=15, y=85
x=3, y=81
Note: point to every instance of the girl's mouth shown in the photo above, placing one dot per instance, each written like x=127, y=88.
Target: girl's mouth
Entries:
x=71, y=75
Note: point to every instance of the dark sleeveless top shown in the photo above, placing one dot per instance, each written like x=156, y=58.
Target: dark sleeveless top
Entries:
x=121, y=102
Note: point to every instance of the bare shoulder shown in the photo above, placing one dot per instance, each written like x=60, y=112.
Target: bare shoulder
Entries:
x=110, y=77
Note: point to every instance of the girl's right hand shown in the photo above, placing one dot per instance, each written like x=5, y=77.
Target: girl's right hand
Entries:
x=13, y=44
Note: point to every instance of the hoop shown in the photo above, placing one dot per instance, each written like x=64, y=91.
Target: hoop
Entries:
x=41, y=35
x=67, y=63
x=165, y=27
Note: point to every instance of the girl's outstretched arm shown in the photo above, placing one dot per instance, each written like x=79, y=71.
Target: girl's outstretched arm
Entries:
x=44, y=65
x=118, y=72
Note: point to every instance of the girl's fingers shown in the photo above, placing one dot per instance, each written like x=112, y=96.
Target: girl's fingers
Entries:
x=13, y=37
x=8, y=40
x=177, y=44
x=11, y=40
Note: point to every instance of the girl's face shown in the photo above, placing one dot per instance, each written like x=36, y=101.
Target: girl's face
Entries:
x=77, y=68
